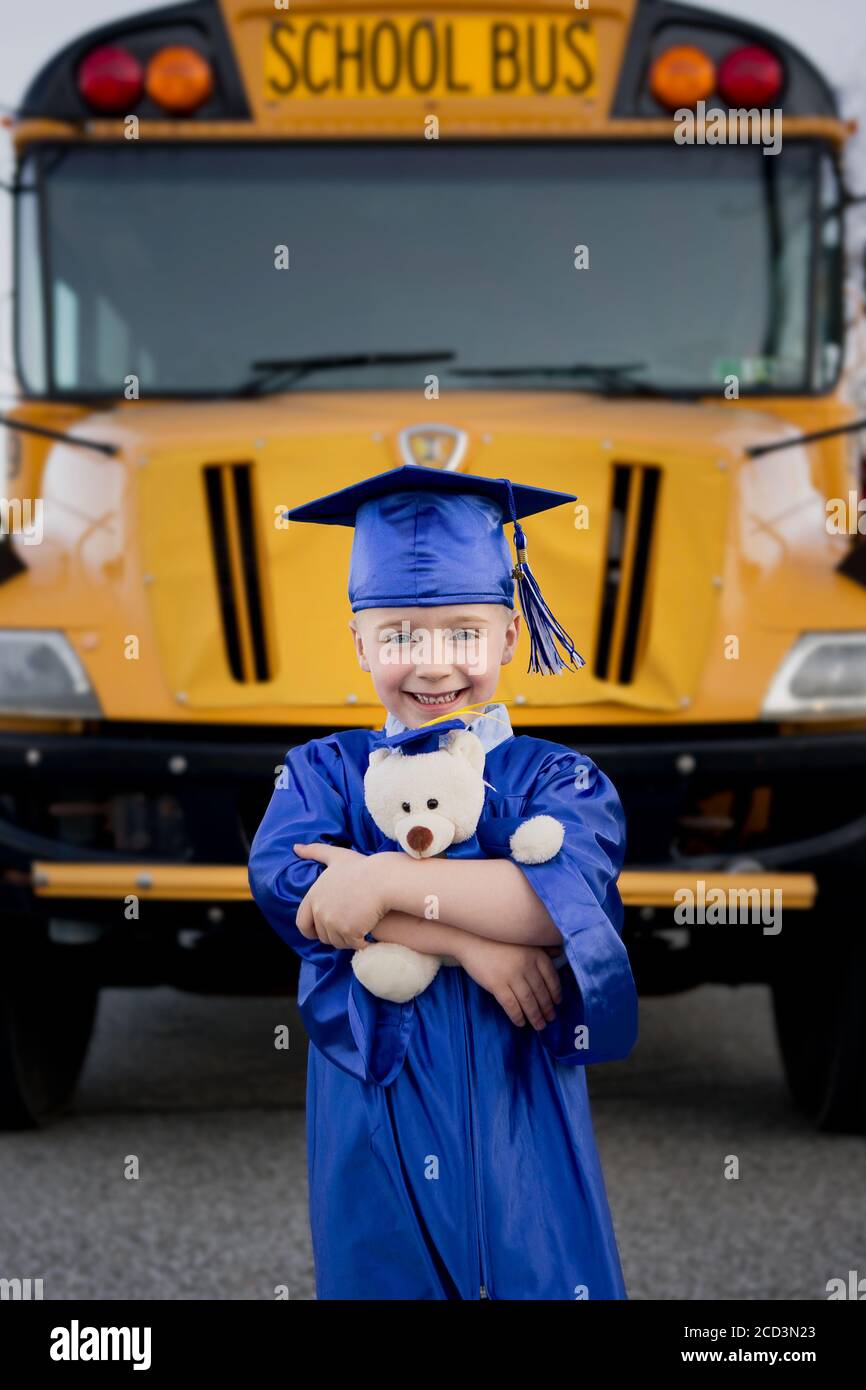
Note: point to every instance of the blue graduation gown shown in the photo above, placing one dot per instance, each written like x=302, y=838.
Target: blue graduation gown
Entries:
x=451, y=1154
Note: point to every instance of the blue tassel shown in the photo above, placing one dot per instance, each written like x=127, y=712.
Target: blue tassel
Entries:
x=544, y=629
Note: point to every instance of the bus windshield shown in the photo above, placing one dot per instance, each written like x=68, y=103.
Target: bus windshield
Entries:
x=183, y=266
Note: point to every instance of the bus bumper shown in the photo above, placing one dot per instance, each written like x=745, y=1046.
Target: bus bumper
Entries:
x=137, y=840
x=214, y=791
x=227, y=883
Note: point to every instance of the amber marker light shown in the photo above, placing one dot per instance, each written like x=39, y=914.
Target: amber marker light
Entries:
x=178, y=79
x=682, y=76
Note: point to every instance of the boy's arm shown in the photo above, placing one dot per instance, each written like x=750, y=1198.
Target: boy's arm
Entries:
x=488, y=897
x=434, y=938
x=430, y=938
x=484, y=897
x=598, y=1018
x=522, y=979
x=365, y=1036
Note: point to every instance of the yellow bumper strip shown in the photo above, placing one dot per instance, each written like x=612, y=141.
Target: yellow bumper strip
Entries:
x=464, y=117
x=641, y=888
x=216, y=883
x=220, y=883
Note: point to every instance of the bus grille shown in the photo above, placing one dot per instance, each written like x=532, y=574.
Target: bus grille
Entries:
x=624, y=616
x=240, y=575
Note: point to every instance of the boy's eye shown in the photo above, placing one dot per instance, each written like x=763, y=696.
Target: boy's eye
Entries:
x=465, y=634
x=432, y=804
x=406, y=806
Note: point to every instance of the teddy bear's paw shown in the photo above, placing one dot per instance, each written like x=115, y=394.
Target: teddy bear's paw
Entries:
x=537, y=840
x=395, y=972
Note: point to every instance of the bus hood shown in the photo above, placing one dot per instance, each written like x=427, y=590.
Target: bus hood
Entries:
x=188, y=596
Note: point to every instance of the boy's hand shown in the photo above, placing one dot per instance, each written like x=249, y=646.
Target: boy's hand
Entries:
x=523, y=979
x=343, y=903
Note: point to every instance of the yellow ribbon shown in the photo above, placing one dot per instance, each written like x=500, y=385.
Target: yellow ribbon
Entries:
x=471, y=709
x=442, y=718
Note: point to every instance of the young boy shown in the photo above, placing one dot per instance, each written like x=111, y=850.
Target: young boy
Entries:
x=449, y=1139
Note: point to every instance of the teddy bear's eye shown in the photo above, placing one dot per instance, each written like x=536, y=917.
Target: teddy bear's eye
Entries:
x=432, y=804
x=406, y=806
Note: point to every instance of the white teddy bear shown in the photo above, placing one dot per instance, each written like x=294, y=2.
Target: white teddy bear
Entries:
x=426, y=802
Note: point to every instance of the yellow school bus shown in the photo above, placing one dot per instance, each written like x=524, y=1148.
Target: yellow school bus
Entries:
x=265, y=250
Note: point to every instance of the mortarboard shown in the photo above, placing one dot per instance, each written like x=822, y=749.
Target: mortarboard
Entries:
x=429, y=738
x=425, y=537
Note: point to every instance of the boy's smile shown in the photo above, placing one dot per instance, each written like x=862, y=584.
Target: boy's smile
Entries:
x=425, y=661
x=437, y=701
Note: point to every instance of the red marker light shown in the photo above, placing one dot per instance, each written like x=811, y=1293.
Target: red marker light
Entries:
x=111, y=79
x=750, y=76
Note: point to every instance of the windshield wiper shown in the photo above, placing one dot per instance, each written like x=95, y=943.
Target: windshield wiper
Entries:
x=47, y=433
x=613, y=378
x=270, y=370
x=758, y=450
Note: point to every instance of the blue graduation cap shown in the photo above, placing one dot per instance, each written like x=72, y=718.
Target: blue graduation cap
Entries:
x=426, y=739
x=424, y=537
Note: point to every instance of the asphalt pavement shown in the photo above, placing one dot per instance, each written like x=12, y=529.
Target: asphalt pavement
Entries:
x=192, y=1094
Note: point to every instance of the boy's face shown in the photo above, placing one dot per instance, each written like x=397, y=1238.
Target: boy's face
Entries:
x=425, y=661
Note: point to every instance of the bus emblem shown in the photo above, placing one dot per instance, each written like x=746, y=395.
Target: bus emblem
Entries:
x=433, y=446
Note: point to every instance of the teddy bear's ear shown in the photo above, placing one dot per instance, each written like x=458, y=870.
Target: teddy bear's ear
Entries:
x=379, y=755
x=464, y=744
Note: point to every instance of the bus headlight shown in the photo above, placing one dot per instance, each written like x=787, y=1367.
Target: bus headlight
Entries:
x=41, y=674
x=824, y=674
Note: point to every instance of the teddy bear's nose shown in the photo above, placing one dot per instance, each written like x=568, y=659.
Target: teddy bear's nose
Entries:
x=419, y=838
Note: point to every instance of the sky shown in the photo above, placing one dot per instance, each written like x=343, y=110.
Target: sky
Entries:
x=831, y=32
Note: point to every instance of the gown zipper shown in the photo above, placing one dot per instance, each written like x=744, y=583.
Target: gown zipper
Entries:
x=473, y=1144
